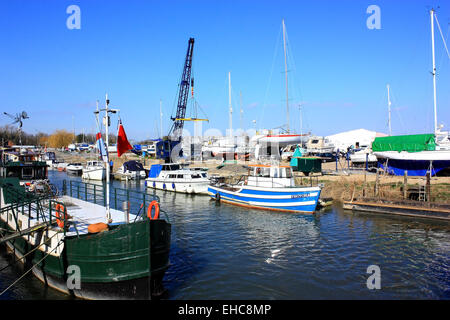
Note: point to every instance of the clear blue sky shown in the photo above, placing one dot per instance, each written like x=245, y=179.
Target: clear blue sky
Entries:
x=134, y=51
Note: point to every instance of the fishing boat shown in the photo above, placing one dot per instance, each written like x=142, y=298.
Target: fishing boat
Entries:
x=74, y=168
x=81, y=243
x=268, y=187
x=131, y=170
x=34, y=228
x=177, y=178
x=94, y=170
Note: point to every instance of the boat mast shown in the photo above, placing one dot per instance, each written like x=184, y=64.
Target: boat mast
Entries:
x=229, y=103
x=389, y=111
x=160, y=118
x=241, y=111
x=108, y=212
x=285, y=71
x=434, y=70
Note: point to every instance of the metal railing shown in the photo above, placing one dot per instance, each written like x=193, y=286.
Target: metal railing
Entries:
x=96, y=193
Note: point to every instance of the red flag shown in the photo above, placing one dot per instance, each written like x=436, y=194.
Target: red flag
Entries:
x=122, y=142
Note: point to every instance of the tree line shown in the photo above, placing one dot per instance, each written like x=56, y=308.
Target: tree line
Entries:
x=9, y=136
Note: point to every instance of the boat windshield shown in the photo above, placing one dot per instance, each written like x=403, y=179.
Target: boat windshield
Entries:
x=171, y=167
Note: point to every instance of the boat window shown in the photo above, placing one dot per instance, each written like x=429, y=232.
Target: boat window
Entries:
x=196, y=176
x=27, y=173
x=180, y=176
x=204, y=175
x=174, y=167
x=288, y=173
x=172, y=176
x=275, y=172
x=266, y=172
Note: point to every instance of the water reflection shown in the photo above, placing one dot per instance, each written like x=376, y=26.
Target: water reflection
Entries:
x=220, y=251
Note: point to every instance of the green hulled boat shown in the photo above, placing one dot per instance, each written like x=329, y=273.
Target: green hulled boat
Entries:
x=127, y=260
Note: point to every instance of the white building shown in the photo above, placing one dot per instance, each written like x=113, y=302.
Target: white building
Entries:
x=359, y=137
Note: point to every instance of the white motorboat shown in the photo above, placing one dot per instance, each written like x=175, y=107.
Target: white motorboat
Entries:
x=174, y=177
x=74, y=168
x=94, y=170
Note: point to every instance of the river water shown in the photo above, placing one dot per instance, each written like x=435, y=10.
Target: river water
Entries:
x=220, y=251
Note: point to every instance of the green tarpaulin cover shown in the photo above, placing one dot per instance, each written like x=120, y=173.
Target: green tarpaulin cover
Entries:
x=410, y=143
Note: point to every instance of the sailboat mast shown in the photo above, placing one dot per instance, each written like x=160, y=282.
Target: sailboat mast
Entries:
x=241, y=111
x=434, y=69
x=160, y=118
x=389, y=111
x=285, y=71
x=229, y=103
x=108, y=212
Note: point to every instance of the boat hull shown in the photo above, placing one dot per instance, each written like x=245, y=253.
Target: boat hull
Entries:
x=181, y=187
x=415, y=163
x=297, y=200
x=94, y=174
x=113, y=264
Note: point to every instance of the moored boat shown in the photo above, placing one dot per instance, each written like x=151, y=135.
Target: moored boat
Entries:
x=174, y=177
x=74, y=168
x=268, y=187
x=94, y=170
x=57, y=236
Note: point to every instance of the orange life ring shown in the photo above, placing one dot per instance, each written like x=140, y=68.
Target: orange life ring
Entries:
x=152, y=204
x=60, y=209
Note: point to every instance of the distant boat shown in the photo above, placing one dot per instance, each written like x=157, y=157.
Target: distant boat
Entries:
x=74, y=168
x=268, y=187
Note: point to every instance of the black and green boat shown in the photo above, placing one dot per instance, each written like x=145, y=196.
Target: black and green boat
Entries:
x=52, y=236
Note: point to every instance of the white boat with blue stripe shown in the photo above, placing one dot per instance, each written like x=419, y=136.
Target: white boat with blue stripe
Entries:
x=268, y=187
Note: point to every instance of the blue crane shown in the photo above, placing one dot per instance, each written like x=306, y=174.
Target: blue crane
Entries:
x=165, y=147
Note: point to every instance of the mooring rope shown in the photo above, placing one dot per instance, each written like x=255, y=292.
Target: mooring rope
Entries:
x=28, y=253
x=21, y=277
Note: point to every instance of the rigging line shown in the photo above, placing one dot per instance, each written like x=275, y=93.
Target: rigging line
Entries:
x=23, y=256
x=442, y=36
x=292, y=59
x=22, y=276
x=442, y=53
x=270, y=77
x=393, y=97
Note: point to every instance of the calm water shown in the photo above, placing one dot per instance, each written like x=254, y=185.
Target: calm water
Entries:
x=221, y=251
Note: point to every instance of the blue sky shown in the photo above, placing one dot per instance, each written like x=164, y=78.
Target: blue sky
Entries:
x=134, y=51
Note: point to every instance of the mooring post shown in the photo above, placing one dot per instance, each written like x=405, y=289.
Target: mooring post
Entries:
x=428, y=191
x=405, y=184
x=377, y=181
x=364, y=185
x=367, y=161
x=337, y=159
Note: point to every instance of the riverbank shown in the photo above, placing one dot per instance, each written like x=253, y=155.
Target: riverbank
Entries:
x=340, y=185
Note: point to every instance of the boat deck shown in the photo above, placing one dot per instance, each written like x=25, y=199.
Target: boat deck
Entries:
x=84, y=213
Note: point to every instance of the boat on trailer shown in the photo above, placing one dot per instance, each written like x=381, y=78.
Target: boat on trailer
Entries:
x=268, y=187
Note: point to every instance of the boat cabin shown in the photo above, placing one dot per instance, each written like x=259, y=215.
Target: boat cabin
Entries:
x=22, y=165
x=270, y=176
x=175, y=171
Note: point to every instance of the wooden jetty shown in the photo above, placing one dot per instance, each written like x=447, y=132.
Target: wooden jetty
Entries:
x=401, y=207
